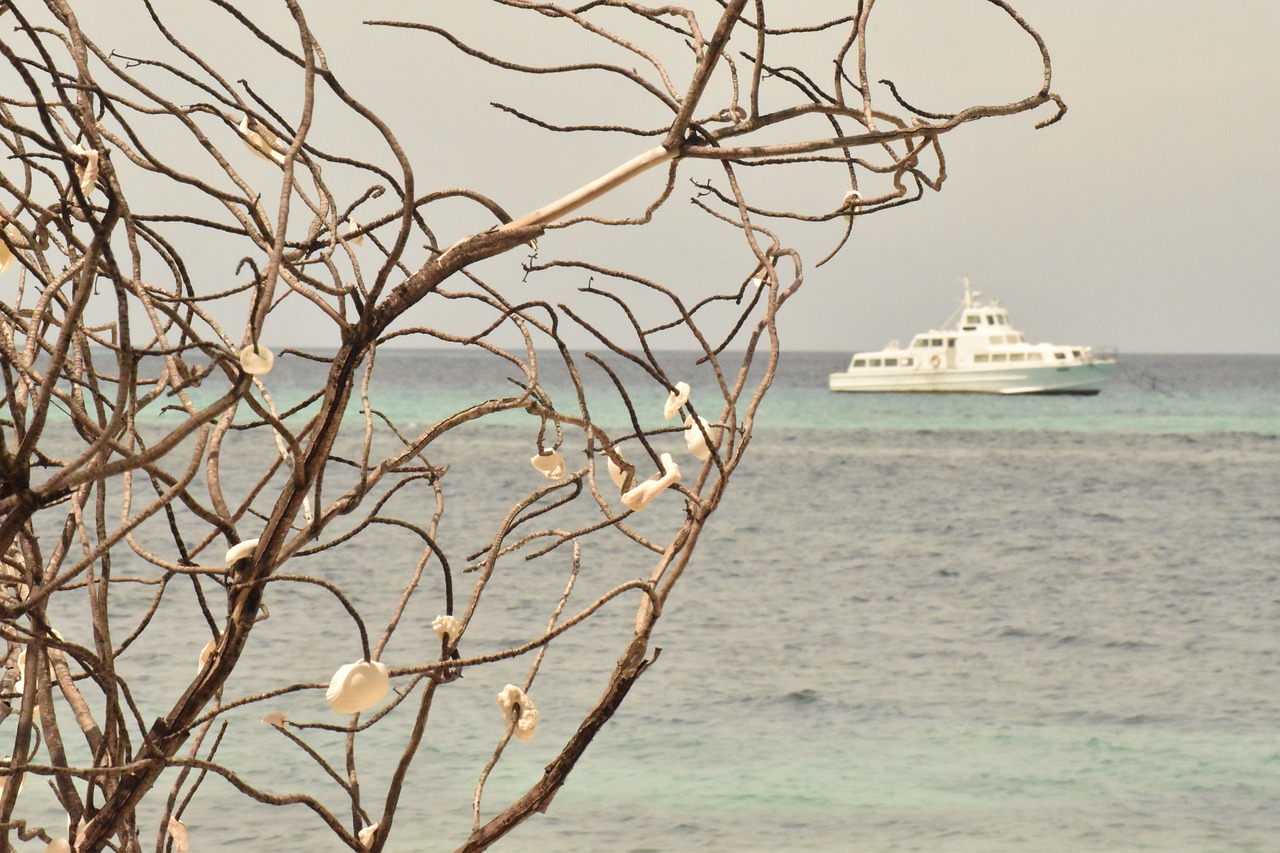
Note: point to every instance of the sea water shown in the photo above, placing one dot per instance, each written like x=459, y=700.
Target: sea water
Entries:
x=934, y=623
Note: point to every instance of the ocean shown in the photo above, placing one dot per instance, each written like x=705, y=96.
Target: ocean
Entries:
x=918, y=623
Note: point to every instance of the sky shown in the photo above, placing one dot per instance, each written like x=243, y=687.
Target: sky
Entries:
x=1144, y=220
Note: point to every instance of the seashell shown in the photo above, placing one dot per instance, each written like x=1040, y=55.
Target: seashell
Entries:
x=696, y=439
x=356, y=238
x=88, y=173
x=257, y=360
x=675, y=400
x=519, y=710
x=616, y=474
x=261, y=140
x=550, y=464
x=640, y=497
x=6, y=256
x=366, y=834
x=241, y=551
x=58, y=845
x=358, y=686
x=276, y=718
x=447, y=625
x=205, y=653
x=178, y=831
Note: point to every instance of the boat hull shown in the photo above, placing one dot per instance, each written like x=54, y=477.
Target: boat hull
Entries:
x=1081, y=379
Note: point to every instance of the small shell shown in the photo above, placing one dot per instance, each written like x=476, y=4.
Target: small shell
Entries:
x=675, y=400
x=88, y=173
x=550, y=464
x=6, y=256
x=178, y=830
x=356, y=238
x=366, y=834
x=519, y=710
x=58, y=845
x=257, y=360
x=205, y=653
x=276, y=719
x=640, y=497
x=239, y=552
x=358, y=686
x=696, y=439
x=261, y=140
x=447, y=625
x=616, y=474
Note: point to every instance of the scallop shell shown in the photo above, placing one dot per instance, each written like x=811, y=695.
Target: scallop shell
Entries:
x=358, y=686
x=240, y=551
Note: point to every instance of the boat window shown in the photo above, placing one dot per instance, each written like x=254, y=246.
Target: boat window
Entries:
x=1017, y=356
x=1035, y=356
x=973, y=319
x=890, y=362
x=936, y=342
x=999, y=356
x=997, y=339
x=920, y=342
x=951, y=343
x=981, y=358
x=859, y=362
x=1022, y=339
x=1076, y=353
x=907, y=362
x=1060, y=355
x=875, y=362
x=991, y=320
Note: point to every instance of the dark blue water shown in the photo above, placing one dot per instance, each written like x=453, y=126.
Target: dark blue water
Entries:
x=918, y=623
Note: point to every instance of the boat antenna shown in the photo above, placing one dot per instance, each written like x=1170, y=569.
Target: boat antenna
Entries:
x=968, y=293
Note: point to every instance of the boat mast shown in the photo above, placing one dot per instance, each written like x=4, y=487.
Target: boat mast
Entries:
x=968, y=294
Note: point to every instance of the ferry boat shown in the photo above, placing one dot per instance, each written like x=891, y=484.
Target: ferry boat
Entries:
x=978, y=352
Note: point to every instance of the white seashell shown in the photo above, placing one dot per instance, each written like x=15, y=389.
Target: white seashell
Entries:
x=550, y=464
x=519, y=710
x=447, y=625
x=257, y=361
x=616, y=474
x=240, y=551
x=6, y=256
x=640, y=497
x=276, y=718
x=366, y=835
x=58, y=845
x=696, y=439
x=178, y=831
x=358, y=686
x=205, y=653
x=850, y=197
x=88, y=173
x=675, y=400
x=261, y=141
x=356, y=239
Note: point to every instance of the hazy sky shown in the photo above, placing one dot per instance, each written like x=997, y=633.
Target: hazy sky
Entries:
x=1144, y=220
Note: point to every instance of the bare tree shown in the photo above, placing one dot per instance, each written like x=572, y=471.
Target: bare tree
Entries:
x=164, y=212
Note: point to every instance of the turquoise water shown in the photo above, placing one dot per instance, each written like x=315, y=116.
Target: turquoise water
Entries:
x=918, y=623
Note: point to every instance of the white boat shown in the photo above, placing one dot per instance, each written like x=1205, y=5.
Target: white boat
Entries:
x=977, y=353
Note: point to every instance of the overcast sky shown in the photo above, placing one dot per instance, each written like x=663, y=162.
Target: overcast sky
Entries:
x=1144, y=220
